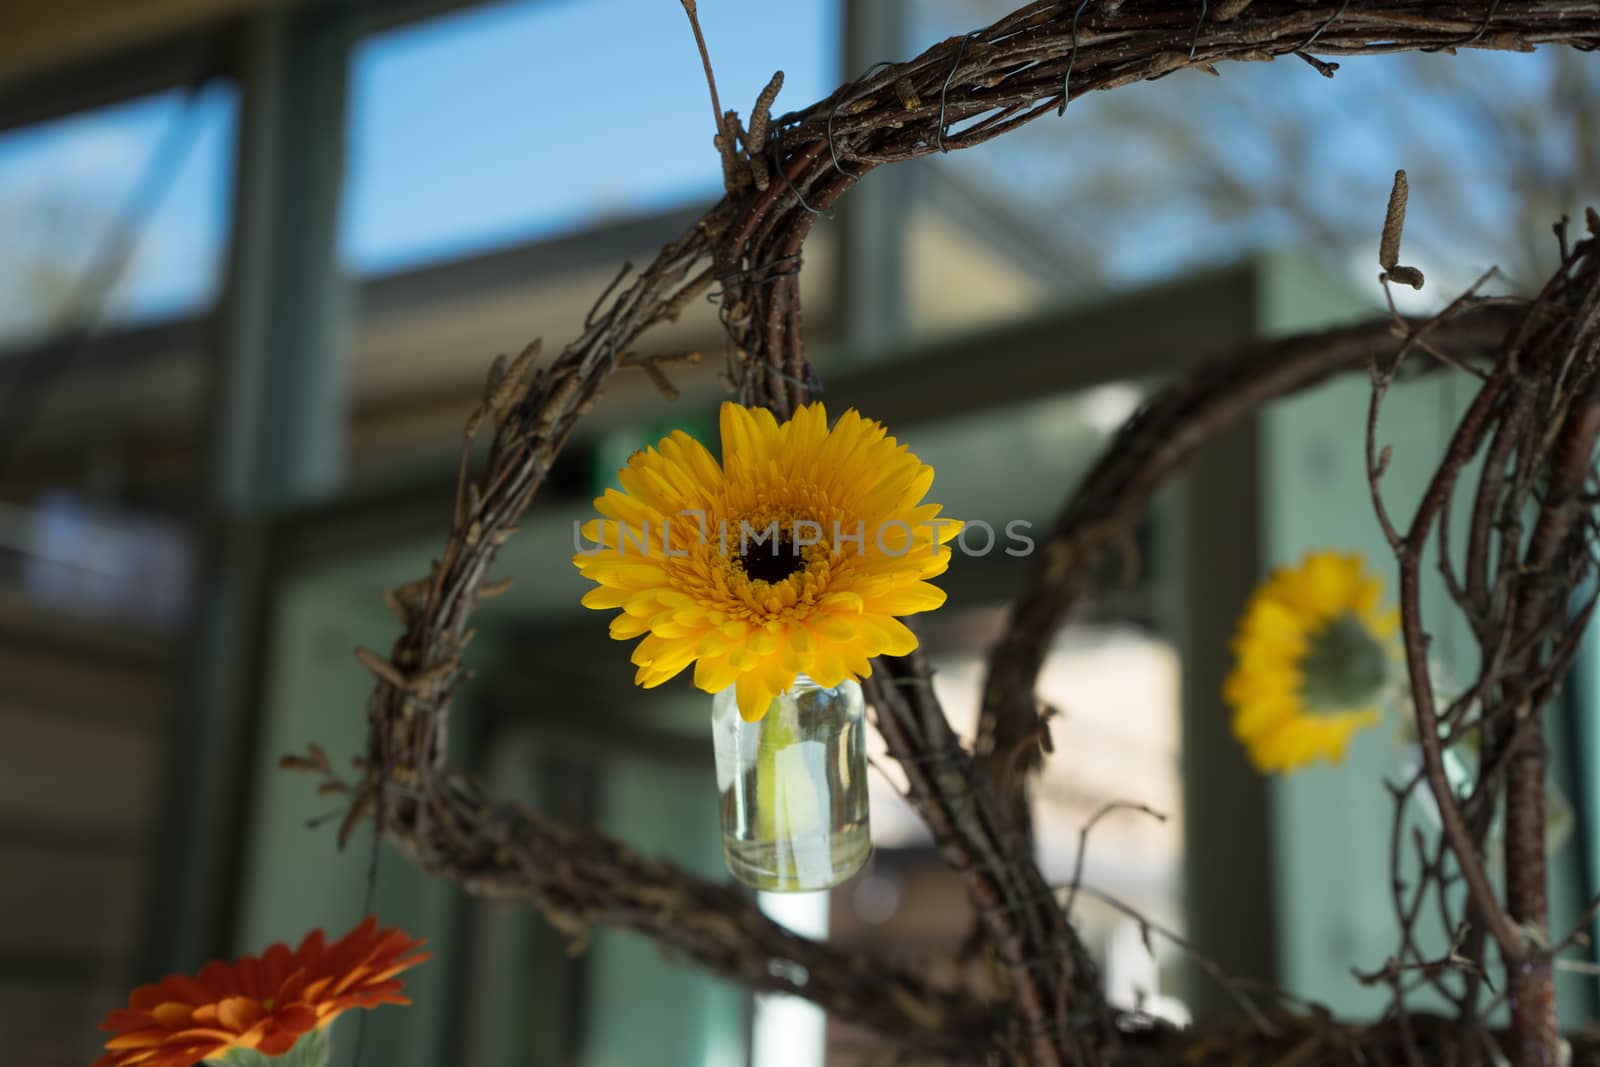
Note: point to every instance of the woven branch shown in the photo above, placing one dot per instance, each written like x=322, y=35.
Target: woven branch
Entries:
x=579, y=879
x=1153, y=446
x=958, y=94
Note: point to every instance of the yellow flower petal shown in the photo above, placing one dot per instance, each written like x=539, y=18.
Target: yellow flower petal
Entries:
x=754, y=694
x=675, y=543
x=909, y=599
x=1283, y=622
x=714, y=675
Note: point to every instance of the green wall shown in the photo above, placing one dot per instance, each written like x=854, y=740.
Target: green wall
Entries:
x=1330, y=826
x=622, y=1002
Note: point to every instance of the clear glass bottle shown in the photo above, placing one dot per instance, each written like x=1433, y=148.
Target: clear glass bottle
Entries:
x=794, y=787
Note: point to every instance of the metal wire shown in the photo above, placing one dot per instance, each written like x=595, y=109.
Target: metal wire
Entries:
x=791, y=379
x=1194, y=41
x=944, y=91
x=368, y=899
x=832, y=151
x=946, y=757
x=1494, y=7
x=1072, y=57
x=777, y=163
x=1322, y=28
x=782, y=267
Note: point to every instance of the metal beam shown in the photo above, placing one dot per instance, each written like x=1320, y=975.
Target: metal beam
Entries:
x=278, y=404
x=400, y=292
x=1161, y=330
x=274, y=442
x=1115, y=339
x=42, y=35
x=1226, y=805
x=62, y=56
x=129, y=72
x=873, y=219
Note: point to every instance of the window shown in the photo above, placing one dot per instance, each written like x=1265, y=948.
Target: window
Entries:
x=1191, y=170
x=1117, y=739
x=67, y=186
x=482, y=128
x=69, y=554
x=1111, y=671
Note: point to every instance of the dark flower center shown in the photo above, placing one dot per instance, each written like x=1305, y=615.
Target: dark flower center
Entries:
x=771, y=561
x=1345, y=667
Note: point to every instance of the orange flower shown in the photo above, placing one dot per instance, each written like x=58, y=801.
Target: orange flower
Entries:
x=263, y=1003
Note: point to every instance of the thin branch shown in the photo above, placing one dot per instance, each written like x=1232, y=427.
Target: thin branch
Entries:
x=692, y=9
x=1204, y=962
x=1083, y=842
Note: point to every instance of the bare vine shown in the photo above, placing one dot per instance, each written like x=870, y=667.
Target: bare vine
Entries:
x=1538, y=413
x=781, y=174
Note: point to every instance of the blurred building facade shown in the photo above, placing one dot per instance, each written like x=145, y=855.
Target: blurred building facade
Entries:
x=235, y=357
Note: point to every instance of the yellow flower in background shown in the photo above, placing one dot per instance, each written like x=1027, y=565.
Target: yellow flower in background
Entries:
x=795, y=555
x=1313, y=657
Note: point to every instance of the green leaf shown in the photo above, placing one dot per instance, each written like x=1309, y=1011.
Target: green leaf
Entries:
x=314, y=1049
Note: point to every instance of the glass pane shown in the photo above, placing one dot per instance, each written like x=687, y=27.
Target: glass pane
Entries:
x=1116, y=741
x=522, y=119
x=1331, y=827
x=1111, y=672
x=72, y=555
x=64, y=187
x=1193, y=170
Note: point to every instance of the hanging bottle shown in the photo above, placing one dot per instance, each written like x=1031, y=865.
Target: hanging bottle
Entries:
x=793, y=787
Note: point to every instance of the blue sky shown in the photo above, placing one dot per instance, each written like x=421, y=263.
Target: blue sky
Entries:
x=500, y=124
x=519, y=120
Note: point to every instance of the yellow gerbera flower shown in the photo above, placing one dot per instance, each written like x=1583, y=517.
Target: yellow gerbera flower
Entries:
x=1314, y=654
x=794, y=556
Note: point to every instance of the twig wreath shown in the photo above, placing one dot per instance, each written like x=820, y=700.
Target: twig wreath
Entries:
x=1535, y=417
